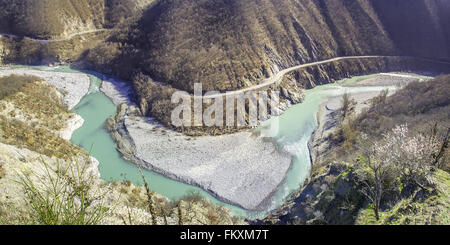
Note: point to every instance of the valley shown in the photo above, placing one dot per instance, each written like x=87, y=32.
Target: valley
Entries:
x=127, y=126
x=351, y=103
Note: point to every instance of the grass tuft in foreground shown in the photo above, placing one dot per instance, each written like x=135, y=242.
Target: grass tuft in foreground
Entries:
x=64, y=194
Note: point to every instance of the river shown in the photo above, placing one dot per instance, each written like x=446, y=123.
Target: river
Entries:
x=296, y=127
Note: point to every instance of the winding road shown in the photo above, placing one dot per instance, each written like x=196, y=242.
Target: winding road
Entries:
x=57, y=40
x=277, y=77
x=264, y=83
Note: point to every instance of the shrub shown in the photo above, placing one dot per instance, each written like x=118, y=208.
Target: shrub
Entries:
x=375, y=172
x=412, y=155
x=378, y=102
x=350, y=134
x=193, y=196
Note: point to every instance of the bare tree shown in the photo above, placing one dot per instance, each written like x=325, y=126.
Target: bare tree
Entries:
x=180, y=213
x=375, y=172
x=444, y=139
x=375, y=176
x=165, y=209
x=378, y=102
x=412, y=155
x=397, y=154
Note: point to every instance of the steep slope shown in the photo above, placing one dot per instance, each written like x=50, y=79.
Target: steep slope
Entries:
x=231, y=44
x=234, y=44
x=58, y=18
x=223, y=44
x=48, y=18
x=51, y=31
x=417, y=27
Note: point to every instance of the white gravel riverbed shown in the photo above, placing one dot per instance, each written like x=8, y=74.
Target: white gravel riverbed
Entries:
x=240, y=169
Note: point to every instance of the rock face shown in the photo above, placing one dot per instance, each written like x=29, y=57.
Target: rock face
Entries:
x=73, y=124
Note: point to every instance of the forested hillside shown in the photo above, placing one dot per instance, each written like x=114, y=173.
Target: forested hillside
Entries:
x=50, y=18
x=223, y=44
x=230, y=44
x=227, y=45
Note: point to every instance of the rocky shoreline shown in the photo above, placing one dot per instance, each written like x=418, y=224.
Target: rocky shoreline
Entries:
x=73, y=124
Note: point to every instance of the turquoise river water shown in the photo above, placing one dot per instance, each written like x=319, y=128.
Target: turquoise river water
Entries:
x=296, y=127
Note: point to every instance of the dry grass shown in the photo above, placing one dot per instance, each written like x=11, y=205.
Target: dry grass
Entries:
x=38, y=112
x=14, y=132
x=12, y=84
x=42, y=102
